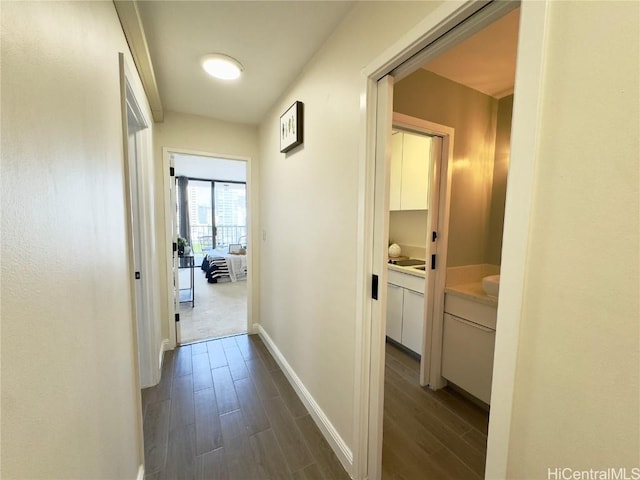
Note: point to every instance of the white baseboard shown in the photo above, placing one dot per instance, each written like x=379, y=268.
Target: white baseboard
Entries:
x=339, y=446
x=255, y=328
x=164, y=346
x=140, y=473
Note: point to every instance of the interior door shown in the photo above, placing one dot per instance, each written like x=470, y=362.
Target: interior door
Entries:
x=384, y=118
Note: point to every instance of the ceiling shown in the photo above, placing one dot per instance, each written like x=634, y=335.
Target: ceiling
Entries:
x=272, y=39
x=485, y=61
x=210, y=168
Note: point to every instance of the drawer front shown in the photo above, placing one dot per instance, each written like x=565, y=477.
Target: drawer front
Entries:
x=473, y=311
x=467, y=356
x=406, y=280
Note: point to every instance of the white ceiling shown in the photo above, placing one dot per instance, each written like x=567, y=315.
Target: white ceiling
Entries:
x=210, y=168
x=272, y=39
x=485, y=61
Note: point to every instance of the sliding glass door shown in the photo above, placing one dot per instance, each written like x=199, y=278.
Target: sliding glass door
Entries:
x=212, y=214
x=230, y=207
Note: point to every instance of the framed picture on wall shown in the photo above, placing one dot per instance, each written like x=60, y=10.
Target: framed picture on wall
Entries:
x=291, y=128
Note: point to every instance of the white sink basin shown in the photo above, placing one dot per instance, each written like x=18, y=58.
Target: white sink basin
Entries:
x=491, y=285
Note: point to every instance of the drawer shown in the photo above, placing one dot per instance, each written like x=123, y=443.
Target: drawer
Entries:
x=406, y=280
x=475, y=312
x=467, y=356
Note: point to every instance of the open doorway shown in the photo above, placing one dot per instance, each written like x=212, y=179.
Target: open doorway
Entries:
x=211, y=230
x=451, y=374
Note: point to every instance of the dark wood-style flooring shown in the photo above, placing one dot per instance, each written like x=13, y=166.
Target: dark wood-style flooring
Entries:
x=225, y=410
x=427, y=434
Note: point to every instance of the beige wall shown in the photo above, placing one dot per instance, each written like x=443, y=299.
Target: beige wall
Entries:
x=472, y=114
x=309, y=212
x=499, y=184
x=577, y=389
x=409, y=227
x=194, y=133
x=70, y=400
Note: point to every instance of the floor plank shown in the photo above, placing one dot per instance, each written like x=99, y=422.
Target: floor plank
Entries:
x=183, y=361
x=182, y=407
x=208, y=428
x=236, y=362
x=291, y=440
x=156, y=435
x=225, y=391
x=217, y=357
x=288, y=394
x=255, y=418
x=269, y=456
x=212, y=466
x=201, y=372
x=327, y=462
x=181, y=454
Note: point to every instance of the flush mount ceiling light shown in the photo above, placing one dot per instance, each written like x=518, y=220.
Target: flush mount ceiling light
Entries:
x=222, y=66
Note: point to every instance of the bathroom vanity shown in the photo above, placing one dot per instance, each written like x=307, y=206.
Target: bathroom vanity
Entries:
x=468, y=339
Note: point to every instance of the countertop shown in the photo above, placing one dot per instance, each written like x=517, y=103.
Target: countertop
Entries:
x=409, y=270
x=472, y=291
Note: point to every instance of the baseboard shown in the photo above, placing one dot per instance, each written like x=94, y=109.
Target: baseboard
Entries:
x=339, y=446
x=140, y=473
x=255, y=328
x=164, y=346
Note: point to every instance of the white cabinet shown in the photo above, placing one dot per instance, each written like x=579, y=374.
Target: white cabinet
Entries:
x=395, y=296
x=467, y=345
x=412, y=320
x=409, y=179
x=405, y=309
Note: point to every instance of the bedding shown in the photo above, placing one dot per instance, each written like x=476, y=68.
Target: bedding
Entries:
x=219, y=264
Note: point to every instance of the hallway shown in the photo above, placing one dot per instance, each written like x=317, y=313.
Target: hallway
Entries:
x=225, y=410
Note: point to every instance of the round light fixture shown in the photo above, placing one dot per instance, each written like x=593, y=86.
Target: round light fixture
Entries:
x=221, y=66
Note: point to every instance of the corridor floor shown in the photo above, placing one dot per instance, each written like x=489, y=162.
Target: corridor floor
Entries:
x=225, y=410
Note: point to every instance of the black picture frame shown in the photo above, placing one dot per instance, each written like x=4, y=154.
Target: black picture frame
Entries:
x=291, y=127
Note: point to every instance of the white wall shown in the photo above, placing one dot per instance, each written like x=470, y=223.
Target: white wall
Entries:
x=577, y=400
x=309, y=210
x=200, y=134
x=70, y=397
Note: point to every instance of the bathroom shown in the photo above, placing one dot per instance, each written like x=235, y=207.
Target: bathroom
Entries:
x=479, y=110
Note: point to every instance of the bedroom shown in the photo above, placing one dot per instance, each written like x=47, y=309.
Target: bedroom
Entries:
x=211, y=231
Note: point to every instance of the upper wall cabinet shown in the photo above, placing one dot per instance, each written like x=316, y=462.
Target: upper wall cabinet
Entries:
x=409, y=182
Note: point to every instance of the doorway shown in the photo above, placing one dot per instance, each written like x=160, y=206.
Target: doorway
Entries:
x=210, y=273
x=456, y=24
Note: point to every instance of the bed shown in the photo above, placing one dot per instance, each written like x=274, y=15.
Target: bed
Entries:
x=220, y=265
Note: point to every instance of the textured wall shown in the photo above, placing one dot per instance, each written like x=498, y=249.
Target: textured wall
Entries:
x=70, y=401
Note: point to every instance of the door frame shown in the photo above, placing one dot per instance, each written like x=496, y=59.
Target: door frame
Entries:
x=440, y=175
x=146, y=328
x=251, y=285
x=440, y=30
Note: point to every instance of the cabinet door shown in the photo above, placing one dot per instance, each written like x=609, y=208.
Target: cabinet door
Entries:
x=412, y=320
x=395, y=180
x=416, y=153
x=394, y=312
x=467, y=356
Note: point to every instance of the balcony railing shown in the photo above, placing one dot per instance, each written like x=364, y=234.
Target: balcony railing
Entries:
x=202, y=236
